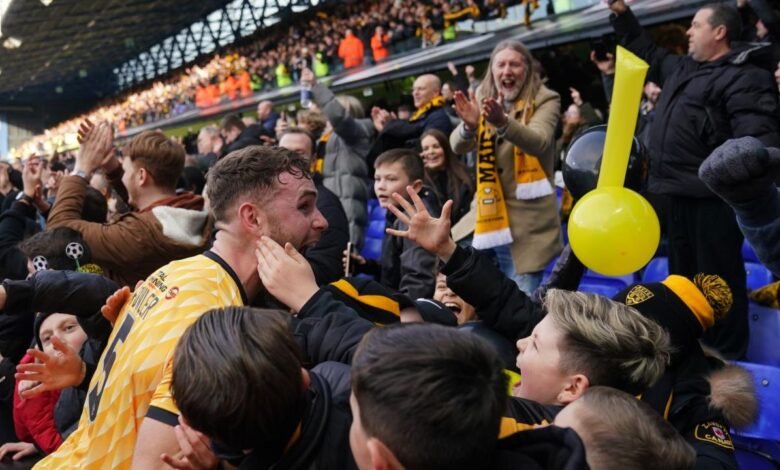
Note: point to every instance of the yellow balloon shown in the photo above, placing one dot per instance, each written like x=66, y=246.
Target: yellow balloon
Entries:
x=614, y=231
x=630, y=73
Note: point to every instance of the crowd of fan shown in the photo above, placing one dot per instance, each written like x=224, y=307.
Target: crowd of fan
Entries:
x=257, y=336
x=346, y=36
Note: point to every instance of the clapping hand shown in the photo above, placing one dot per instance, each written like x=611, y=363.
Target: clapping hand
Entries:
x=467, y=109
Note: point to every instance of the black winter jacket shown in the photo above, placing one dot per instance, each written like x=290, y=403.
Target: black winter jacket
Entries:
x=702, y=105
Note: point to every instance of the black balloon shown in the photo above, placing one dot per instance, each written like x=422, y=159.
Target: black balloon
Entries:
x=583, y=162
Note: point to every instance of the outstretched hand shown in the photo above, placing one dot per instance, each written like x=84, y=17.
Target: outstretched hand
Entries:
x=61, y=369
x=430, y=233
x=17, y=450
x=115, y=302
x=285, y=273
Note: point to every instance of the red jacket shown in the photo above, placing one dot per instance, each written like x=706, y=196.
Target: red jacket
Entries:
x=351, y=51
x=34, y=417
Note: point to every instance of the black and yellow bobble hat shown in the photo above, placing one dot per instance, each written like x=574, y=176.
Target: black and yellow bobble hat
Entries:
x=685, y=308
x=382, y=306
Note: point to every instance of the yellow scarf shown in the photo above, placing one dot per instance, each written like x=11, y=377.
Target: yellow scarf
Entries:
x=437, y=102
x=532, y=182
x=493, y=227
x=319, y=154
x=492, y=218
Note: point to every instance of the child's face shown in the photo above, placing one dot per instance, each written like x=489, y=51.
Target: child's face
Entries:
x=539, y=363
x=358, y=440
x=388, y=179
x=462, y=309
x=63, y=326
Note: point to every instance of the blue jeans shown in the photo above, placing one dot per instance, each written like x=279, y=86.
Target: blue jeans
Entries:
x=527, y=282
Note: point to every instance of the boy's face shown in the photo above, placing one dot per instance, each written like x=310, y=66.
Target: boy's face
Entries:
x=358, y=440
x=539, y=363
x=388, y=179
x=63, y=326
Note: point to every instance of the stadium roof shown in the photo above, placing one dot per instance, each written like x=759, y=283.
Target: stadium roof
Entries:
x=60, y=56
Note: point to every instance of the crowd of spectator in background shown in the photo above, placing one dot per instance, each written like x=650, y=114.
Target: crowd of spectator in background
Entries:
x=272, y=211
x=327, y=41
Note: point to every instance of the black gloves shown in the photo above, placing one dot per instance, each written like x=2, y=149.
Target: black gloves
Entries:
x=742, y=171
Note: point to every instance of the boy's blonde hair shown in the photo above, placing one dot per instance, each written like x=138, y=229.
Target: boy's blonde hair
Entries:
x=610, y=343
x=619, y=432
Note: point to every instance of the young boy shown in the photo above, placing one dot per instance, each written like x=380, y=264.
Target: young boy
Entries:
x=404, y=266
x=424, y=397
x=619, y=432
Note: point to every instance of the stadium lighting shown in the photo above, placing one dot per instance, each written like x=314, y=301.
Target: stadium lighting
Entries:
x=46, y=2
x=12, y=43
x=4, y=4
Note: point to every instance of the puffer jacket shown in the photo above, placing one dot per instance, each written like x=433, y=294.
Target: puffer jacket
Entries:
x=345, y=170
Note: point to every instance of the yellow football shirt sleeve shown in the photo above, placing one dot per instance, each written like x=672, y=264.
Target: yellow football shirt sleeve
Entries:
x=162, y=408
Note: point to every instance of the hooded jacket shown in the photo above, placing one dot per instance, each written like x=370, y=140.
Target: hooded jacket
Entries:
x=132, y=245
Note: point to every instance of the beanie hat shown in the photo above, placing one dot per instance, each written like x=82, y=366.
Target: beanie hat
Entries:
x=433, y=311
x=370, y=299
x=685, y=308
x=39, y=318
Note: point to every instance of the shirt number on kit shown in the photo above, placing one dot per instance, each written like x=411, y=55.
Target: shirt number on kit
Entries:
x=93, y=398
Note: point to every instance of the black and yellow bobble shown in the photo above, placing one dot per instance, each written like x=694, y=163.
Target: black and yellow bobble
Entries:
x=717, y=293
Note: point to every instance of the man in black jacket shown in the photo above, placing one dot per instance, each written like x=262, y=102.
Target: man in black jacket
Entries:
x=709, y=96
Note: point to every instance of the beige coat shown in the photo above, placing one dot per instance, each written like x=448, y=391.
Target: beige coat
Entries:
x=536, y=226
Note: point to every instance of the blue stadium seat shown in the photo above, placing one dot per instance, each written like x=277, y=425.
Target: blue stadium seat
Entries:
x=757, y=446
x=604, y=287
x=656, y=270
x=748, y=254
x=626, y=280
x=757, y=275
x=764, y=324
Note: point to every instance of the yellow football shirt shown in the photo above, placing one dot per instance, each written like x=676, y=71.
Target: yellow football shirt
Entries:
x=134, y=371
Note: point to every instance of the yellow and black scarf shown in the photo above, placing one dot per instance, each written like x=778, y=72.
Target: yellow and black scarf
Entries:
x=493, y=227
x=437, y=102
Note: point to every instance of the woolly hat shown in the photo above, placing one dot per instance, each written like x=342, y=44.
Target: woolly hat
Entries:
x=39, y=318
x=380, y=305
x=685, y=308
x=370, y=299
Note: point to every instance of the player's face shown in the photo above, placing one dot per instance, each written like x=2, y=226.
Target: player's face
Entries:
x=292, y=214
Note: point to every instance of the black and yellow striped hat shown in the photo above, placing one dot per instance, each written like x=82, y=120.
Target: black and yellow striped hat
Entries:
x=685, y=308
